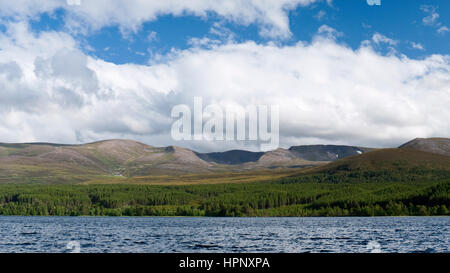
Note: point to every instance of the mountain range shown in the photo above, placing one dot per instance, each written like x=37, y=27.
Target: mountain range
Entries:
x=119, y=160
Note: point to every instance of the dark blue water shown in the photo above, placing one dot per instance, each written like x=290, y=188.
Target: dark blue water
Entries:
x=133, y=234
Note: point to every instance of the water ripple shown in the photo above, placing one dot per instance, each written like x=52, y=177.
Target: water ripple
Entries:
x=162, y=235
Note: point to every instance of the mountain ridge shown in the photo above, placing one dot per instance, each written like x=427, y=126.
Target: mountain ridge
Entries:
x=50, y=162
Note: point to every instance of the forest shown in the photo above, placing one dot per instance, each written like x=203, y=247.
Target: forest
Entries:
x=325, y=194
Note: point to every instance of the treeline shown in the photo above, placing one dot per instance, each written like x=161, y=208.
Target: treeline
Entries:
x=283, y=198
x=345, y=174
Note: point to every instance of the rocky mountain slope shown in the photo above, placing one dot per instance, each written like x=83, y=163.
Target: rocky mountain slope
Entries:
x=432, y=145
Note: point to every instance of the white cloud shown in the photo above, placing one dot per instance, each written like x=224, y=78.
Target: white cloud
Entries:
x=366, y=26
x=329, y=93
x=203, y=42
x=443, y=29
x=320, y=15
x=152, y=36
x=270, y=15
x=378, y=38
x=329, y=32
x=432, y=17
x=417, y=46
x=73, y=2
x=219, y=30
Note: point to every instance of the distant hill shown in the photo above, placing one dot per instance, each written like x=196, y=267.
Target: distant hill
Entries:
x=284, y=158
x=233, y=157
x=292, y=156
x=103, y=160
x=326, y=152
x=277, y=156
x=58, y=163
x=388, y=159
x=432, y=145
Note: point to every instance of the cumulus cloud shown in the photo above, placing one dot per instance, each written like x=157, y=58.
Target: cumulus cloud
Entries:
x=11, y=71
x=271, y=16
x=69, y=68
x=329, y=93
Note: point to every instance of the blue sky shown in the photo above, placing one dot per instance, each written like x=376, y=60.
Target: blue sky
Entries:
x=342, y=71
x=400, y=20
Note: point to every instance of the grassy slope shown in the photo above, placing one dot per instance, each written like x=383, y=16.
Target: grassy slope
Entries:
x=192, y=179
x=388, y=159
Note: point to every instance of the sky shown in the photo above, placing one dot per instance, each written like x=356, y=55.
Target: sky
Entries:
x=341, y=71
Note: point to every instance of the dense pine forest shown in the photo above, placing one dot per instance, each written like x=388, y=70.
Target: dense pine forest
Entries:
x=328, y=194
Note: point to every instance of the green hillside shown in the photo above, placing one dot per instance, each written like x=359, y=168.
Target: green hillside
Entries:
x=383, y=165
